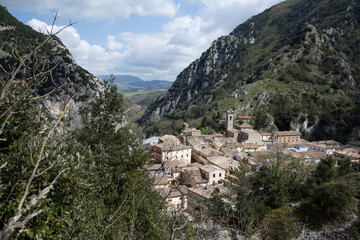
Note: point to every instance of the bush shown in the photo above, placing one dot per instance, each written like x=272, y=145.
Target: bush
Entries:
x=331, y=200
x=281, y=225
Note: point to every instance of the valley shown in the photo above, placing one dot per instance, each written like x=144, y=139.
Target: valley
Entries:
x=258, y=137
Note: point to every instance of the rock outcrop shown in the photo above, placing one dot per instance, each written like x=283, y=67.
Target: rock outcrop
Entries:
x=66, y=81
x=302, y=55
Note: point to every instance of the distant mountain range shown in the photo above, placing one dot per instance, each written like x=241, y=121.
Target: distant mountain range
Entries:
x=128, y=83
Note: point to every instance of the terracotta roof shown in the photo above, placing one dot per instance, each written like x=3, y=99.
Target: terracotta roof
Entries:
x=244, y=117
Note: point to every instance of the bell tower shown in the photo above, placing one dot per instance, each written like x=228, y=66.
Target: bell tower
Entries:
x=229, y=121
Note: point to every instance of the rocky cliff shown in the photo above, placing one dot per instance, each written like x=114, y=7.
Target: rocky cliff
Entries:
x=295, y=65
x=58, y=72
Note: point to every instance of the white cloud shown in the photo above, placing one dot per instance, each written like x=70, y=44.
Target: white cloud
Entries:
x=160, y=55
x=95, y=58
x=228, y=14
x=98, y=9
x=112, y=44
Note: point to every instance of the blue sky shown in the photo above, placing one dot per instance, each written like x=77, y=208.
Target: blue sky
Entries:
x=150, y=39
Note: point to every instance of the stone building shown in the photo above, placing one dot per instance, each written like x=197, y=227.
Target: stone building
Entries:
x=250, y=136
x=214, y=174
x=286, y=137
x=170, y=148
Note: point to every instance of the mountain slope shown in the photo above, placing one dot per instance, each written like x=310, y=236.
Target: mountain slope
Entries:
x=302, y=55
x=67, y=78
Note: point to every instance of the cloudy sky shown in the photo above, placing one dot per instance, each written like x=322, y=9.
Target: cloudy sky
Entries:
x=151, y=39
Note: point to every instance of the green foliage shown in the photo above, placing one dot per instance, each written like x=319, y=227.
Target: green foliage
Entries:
x=280, y=224
x=262, y=200
x=278, y=182
x=207, y=130
x=345, y=167
x=326, y=171
x=355, y=230
x=330, y=201
x=113, y=179
x=162, y=127
x=104, y=191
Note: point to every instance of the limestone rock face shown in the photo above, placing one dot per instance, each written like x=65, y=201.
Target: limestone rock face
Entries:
x=296, y=62
x=202, y=74
x=68, y=83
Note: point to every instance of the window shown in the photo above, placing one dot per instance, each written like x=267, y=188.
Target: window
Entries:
x=214, y=175
x=219, y=174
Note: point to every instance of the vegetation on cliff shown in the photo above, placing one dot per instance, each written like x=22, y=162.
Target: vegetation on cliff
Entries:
x=63, y=181
x=301, y=55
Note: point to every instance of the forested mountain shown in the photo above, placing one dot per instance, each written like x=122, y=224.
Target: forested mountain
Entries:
x=302, y=55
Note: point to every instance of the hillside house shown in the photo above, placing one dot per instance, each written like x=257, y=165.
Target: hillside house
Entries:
x=154, y=169
x=202, y=153
x=225, y=163
x=252, y=147
x=278, y=147
x=301, y=147
x=213, y=174
x=354, y=157
x=149, y=143
x=327, y=146
x=265, y=137
x=192, y=176
x=314, y=156
x=176, y=197
x=286, y=137
x=170, y=148
x=189, y=133
x=250, y=136
x=173, y=167
x=160, y=181
x=195, y=141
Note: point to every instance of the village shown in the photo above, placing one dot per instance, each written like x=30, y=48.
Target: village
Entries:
x=188, y=168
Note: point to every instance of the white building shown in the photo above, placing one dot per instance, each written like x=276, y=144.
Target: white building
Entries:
x=213, y=173
x=170, y=148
